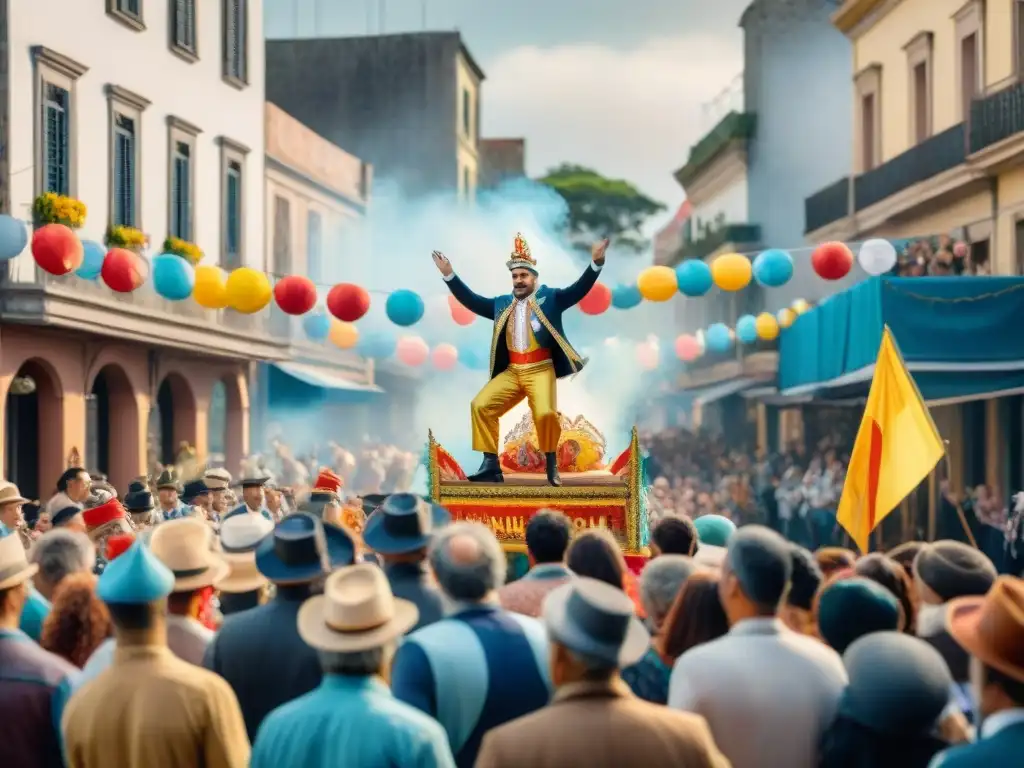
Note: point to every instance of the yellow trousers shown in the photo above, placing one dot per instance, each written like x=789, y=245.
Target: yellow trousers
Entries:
x=537, y=383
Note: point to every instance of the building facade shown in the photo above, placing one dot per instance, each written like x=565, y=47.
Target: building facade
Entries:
x=317, y=196
x=669, y=239
x=501, y=161
x=408, y=104
x=151, y=114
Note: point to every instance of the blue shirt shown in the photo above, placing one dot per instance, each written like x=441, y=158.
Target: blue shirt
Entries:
x=33, y=614
x=473, y=672
x=350, y=721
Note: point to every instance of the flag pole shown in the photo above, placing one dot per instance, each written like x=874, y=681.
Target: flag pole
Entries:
x=956, y=504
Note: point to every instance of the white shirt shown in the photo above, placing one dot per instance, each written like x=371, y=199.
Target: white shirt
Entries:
x=993, y=724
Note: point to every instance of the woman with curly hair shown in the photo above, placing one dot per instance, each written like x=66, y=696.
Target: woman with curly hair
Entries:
x=78, y=621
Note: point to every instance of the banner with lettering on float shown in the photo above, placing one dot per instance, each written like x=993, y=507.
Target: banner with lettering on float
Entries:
x=509, y=523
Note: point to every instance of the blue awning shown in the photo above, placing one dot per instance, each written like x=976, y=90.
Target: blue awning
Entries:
x=716, y=392
x=325, y=378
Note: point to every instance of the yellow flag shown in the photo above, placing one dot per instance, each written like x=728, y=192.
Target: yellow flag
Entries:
x=897, y=446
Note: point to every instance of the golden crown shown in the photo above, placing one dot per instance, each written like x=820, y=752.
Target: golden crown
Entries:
x=521, y=256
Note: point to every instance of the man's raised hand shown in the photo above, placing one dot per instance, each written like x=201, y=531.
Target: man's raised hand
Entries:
x=597, y=252
x=443, y=265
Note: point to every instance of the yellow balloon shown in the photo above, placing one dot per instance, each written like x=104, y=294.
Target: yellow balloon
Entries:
x=785, y=317
x=210, y=291
x=248, y=290
x=731, y=271
x=657, y=283
x=800, y=306
x=343, y=335
x=767, y=326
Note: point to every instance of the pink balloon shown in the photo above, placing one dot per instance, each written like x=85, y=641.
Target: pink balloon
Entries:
x=412, y=350
x=444, y=357
x=647, y=356
x=687, y=348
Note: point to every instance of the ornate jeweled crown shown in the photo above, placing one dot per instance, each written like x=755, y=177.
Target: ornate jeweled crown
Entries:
x=521, y=258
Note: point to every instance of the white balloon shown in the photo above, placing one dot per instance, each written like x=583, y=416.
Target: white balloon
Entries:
x=877, y=256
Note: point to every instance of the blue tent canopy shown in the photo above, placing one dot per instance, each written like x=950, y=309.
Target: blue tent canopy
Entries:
x=959, y=335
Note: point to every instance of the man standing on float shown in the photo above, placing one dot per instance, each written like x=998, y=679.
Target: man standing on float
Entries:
x=529, y=353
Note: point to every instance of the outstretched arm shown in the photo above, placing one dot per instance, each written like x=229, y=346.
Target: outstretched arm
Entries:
x=573, y=295
x=474, y=302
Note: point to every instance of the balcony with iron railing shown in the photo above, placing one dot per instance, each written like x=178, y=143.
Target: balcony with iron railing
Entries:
x=30, y=296
x=997, y=117
x=727, y=234
x=827, y=205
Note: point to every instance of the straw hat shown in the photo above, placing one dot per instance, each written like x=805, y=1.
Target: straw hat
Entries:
x=185, y=546
x=9, y=494
x=356, y=612
x=15, y=568
x=991, y=627
x=243, y=575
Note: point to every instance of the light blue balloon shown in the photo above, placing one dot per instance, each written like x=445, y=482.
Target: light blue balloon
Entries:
x=626, y=297
x=773, y=268
x=13, y=237
x=472, y=359
x=717, y=338
x=173, y=277
x=93, y=254
x=377, y=345
x=746, y=329
x=404, y=308
x=694, y=277
x=317, y=325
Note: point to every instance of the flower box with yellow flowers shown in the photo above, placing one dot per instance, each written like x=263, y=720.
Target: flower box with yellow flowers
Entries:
x=190, y=252
x=129, y=238
x=51, y=208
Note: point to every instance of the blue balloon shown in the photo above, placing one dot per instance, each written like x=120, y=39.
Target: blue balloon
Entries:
x=694, y=277
x=717, y=338
x=472, y=359
x=13, y=237
x=93, y=254
x=173, y=277
x=773, y=268
x=746, y=329
x=317, y=325
x=404, y=308
x=626, y=297
x=376, y=345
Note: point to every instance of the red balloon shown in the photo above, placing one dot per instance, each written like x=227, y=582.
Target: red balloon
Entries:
x=412, y=350
x=832, y=261
x=687, y=348
x=123, y=270
x=444, y=357
x=295, y=294
x=597, y=300
x=460, y=314
x=348, y=302
x=57, y=249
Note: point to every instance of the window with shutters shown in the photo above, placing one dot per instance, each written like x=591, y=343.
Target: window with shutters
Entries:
x=127, y=12
x=233, y=202
x=282, y=256
x=314, y=246
x=181, y=175
x=183, y=29
x=125, y=155
x=56, y=139
x=236, y=42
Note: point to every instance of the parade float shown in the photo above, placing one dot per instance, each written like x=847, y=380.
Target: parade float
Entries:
x=595, y=492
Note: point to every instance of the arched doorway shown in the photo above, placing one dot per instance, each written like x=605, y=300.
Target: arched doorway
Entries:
x=172, y=419
x=34, y=429
x=112, y=426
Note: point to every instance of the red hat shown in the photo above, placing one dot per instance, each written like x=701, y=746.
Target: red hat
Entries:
x=328, y=482
x=105, y=513
x=118, y=544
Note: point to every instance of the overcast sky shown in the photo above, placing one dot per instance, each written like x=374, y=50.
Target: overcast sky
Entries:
x=623, y=91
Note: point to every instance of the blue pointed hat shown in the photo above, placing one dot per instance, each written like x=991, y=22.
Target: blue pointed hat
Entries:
x=136, y=577
x=714, y=530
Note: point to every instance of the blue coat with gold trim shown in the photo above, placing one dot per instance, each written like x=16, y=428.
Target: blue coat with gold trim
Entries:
x=547, y=305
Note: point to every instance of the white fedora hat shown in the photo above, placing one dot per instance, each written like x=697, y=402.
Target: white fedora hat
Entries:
x=14, y=565
x=356, y=612
x=241, y=533
x=185, y=546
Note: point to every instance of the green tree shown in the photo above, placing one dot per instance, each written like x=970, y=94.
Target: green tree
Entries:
x=600, y=207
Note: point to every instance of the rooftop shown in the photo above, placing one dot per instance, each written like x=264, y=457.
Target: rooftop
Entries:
x=735, y=126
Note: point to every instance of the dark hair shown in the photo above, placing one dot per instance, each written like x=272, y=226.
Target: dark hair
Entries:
x=596, y=554
x=65, y=515
x=759, y=558
x=806, y=579
x=1011, y=686
x=134, y=616
x=848, y=744
x=832, y=559
x=695, y=617
x=67, y=477
x=905, y=553
x=890, y=574
x=675, y=535
x=547, y=536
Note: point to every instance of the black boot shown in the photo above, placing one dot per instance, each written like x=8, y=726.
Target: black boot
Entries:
x=553, y=477
x=489, y=472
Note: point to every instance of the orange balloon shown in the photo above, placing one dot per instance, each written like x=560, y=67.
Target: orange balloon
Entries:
x=343, y=335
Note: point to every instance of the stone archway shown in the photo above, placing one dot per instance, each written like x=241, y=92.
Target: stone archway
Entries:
x=34, y=429
x=112, y=426
x=172, y=419
x=228, y=415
